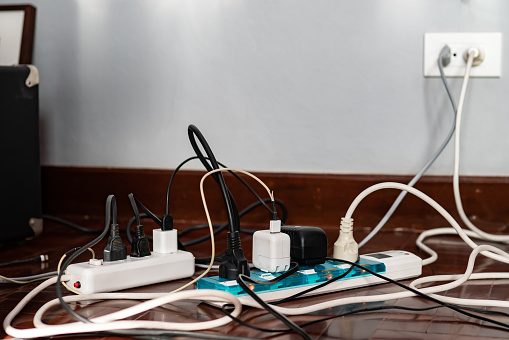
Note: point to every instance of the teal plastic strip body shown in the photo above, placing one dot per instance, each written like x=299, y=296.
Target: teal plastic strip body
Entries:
x=305, y=276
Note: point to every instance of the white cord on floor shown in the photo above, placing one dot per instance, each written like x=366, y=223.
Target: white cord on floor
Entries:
x=391, y=185
x=457, y=143
x=78, y=327
x=459, y=280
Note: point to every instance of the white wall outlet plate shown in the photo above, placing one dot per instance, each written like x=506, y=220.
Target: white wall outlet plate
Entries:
x=459, y=43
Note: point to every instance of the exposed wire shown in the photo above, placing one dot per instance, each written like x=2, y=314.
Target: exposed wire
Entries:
x=174, y=173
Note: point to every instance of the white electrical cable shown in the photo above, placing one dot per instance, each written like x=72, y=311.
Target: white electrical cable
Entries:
x=486, y=250
x=430, y=162
x=107, y=322
x=456, y=188
x=435, y=232
x=432, y=203
x=78, y=327
x=459, y=280
x=159, y=300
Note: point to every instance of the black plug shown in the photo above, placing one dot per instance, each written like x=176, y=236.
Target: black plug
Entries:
x=140, y=246
x=308, y=245
x=115, y=249
x=167, y=222
x=233, y=261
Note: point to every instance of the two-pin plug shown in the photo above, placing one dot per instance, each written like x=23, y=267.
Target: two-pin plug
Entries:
x=345, y=248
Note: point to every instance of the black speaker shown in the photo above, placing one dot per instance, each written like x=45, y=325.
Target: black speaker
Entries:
x=20, y=170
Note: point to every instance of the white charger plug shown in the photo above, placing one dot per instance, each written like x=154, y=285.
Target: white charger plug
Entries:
x=165, y=241
x=271, y=249
x=345, y=248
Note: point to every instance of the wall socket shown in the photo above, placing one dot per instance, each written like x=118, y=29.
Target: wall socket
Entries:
x=490, y=43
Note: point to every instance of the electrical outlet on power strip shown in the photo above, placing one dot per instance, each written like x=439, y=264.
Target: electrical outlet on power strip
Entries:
x=459, y=43
x=96, y=276
x=395, y=264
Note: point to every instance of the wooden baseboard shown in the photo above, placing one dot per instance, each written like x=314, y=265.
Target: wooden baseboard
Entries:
x=311, y=199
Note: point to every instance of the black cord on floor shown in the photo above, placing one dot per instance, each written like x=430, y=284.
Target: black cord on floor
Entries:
x=294, y=327
x=71, y=225
x=418, y=293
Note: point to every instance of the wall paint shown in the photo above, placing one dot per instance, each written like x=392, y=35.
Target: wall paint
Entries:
x=329, y=86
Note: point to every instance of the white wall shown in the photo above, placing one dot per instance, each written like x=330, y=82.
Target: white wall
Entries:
x=298, y=86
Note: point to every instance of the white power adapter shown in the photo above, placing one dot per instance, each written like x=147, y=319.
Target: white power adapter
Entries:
x=165, y=241
x=271, y=249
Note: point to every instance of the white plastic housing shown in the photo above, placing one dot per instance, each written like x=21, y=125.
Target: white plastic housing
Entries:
x=345, y=248
x=490, y=43
x=271, y=251
x=131, y=272
x=165, y=241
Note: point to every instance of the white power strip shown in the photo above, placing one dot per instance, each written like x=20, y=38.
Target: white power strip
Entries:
x=97, y=276
x=399, y=265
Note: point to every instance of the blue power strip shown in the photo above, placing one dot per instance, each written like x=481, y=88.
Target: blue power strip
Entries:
x=396, y=264
x=305, y=276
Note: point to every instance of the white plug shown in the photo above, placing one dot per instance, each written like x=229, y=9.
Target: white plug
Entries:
x=271, y=249
x=478, y=54
x=345, y=248
x=165, y=241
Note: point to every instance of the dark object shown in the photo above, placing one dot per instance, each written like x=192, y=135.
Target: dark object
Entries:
x=308, y=245
x=27, y=36
x=20, y=187
x=140, y=246
x=115, y=249
x=233, y=261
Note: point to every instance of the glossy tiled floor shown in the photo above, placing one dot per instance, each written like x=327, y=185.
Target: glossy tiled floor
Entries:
x=435, y=324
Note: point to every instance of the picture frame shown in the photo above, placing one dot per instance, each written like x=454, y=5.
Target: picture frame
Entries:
x=17, y=28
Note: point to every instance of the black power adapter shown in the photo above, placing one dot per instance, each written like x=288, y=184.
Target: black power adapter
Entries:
x=308, y=245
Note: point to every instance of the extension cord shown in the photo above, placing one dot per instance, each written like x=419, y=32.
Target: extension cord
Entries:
x=394, y=264
x=97, y=276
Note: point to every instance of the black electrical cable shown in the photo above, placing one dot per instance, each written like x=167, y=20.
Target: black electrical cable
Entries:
x=225, y=225
x=71, y=225
x=155, y=334
x=174, y=173
x=294, y=267
x=35, y=259
x=367, y=309
x=418, y=293
x=130, y=224
x=294, y=327
x=135, y=209
x=378, y=308
x=294, y=296
x=111, y=211
x=231, y=209
x=219, y=227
